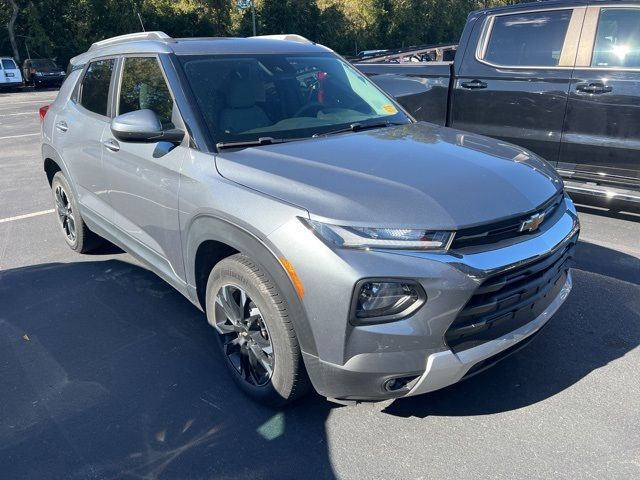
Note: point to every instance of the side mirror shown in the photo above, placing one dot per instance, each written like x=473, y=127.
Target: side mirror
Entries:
x=143, y=126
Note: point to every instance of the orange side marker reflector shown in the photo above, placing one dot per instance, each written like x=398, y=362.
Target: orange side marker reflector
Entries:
x=293, y=276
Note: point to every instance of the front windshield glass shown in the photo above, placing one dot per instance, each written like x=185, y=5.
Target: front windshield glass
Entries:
x=245, y=97
x=45, y=63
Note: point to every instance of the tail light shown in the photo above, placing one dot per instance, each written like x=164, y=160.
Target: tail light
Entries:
x=43, y=112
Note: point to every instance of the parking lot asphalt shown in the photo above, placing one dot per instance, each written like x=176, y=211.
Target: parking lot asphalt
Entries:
x=106, y=372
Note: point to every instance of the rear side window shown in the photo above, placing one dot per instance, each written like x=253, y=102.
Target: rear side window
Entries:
x=528, y=39
x=618, y=38
x=143, y=87
x=94, y=93
x=8, y=64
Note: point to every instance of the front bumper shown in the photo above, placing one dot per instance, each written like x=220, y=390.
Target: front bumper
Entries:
x=48, y=80
x=446, y=368
x=360, y=362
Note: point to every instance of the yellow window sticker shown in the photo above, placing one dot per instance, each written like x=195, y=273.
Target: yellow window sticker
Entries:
x=390, y=109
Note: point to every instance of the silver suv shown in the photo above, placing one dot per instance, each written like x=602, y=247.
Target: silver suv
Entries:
x=331, y=240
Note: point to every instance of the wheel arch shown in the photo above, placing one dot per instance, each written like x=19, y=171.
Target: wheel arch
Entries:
x=53, y=163
x=211, y=239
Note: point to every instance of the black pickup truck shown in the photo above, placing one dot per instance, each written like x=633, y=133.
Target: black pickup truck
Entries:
x=561, y=78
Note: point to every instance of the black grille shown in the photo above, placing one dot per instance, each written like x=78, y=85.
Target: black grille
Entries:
x=508, y=300
x=505, y=229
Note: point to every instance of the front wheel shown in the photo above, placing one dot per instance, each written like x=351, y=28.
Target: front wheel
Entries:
x=254, y=332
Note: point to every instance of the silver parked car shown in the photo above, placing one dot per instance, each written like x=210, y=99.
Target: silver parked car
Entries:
x=331, y=240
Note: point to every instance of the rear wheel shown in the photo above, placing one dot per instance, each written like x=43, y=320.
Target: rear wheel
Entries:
x=254, y=332
x=75, y=231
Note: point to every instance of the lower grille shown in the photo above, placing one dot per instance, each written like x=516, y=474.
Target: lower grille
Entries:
x=491, y=361
x=508, y=300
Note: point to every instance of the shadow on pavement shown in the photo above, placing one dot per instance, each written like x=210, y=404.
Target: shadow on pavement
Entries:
x=599, y=323
x=107, y=371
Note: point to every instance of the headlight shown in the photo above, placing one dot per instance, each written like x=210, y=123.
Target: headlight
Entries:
x=364, y=237
x=385, y=300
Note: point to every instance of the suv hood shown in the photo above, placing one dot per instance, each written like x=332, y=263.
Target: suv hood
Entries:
x=412, y=176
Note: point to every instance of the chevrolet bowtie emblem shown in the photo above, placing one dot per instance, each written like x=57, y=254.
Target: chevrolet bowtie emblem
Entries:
x=532, y=223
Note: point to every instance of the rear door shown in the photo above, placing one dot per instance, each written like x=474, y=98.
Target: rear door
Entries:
x=601, y=139
x=77, y=134
x=143, y=178
x=514, y=79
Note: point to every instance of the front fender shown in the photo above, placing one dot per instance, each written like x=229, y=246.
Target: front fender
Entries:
x=204, y=228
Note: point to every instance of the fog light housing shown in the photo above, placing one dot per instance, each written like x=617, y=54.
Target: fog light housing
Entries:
x=385, y=300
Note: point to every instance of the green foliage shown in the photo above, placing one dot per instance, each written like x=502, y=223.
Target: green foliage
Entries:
x=63, y=28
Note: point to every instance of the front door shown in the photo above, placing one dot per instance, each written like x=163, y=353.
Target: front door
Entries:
x=514, y=86
x=601, y=139
x=143, y=178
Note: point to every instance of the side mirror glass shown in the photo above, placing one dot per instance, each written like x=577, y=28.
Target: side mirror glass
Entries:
x=143, y=126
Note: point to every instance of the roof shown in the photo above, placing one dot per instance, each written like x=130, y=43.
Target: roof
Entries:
x=554, y=4
x=159, y=42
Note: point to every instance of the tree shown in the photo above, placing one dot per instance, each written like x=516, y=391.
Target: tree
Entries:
x=11, y=24
x=64, y=28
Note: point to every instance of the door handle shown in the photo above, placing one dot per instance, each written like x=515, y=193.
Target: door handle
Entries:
x=594, y=87
x=474, y=84
x=62, y=126
x=111, y=145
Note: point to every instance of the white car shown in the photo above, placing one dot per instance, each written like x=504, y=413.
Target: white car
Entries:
x=10, y=76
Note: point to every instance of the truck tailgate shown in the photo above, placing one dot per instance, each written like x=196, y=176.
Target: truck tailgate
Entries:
x=421, y=88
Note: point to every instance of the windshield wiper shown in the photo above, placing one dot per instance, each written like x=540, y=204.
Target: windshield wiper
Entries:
x=251, y=143
x=357, y=127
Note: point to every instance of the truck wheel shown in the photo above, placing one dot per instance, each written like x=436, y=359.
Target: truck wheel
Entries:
x=254, y=332
x=75, y=231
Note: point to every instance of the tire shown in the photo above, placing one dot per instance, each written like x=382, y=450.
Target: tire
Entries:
x=75, y=231
x=271, y=324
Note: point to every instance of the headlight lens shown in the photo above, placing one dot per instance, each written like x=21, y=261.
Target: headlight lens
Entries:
x=380, y=300
x=364, y=237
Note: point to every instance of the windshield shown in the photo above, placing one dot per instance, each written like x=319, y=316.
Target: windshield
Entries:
x=43, y=64
x=8, y=64
x=245, y=97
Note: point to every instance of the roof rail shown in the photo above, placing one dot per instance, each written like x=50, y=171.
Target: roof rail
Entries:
x=291, y=37
x=130, y=37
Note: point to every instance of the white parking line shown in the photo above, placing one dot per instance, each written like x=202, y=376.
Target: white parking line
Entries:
x=21, y=113
x=20, y=136
x=27, y=215
x=11, y=104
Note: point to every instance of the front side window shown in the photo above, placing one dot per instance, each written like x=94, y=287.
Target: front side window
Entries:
x=94, y=92
x=528, y=39
x=144, y=87
x=245, y=97
x=617, y=38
